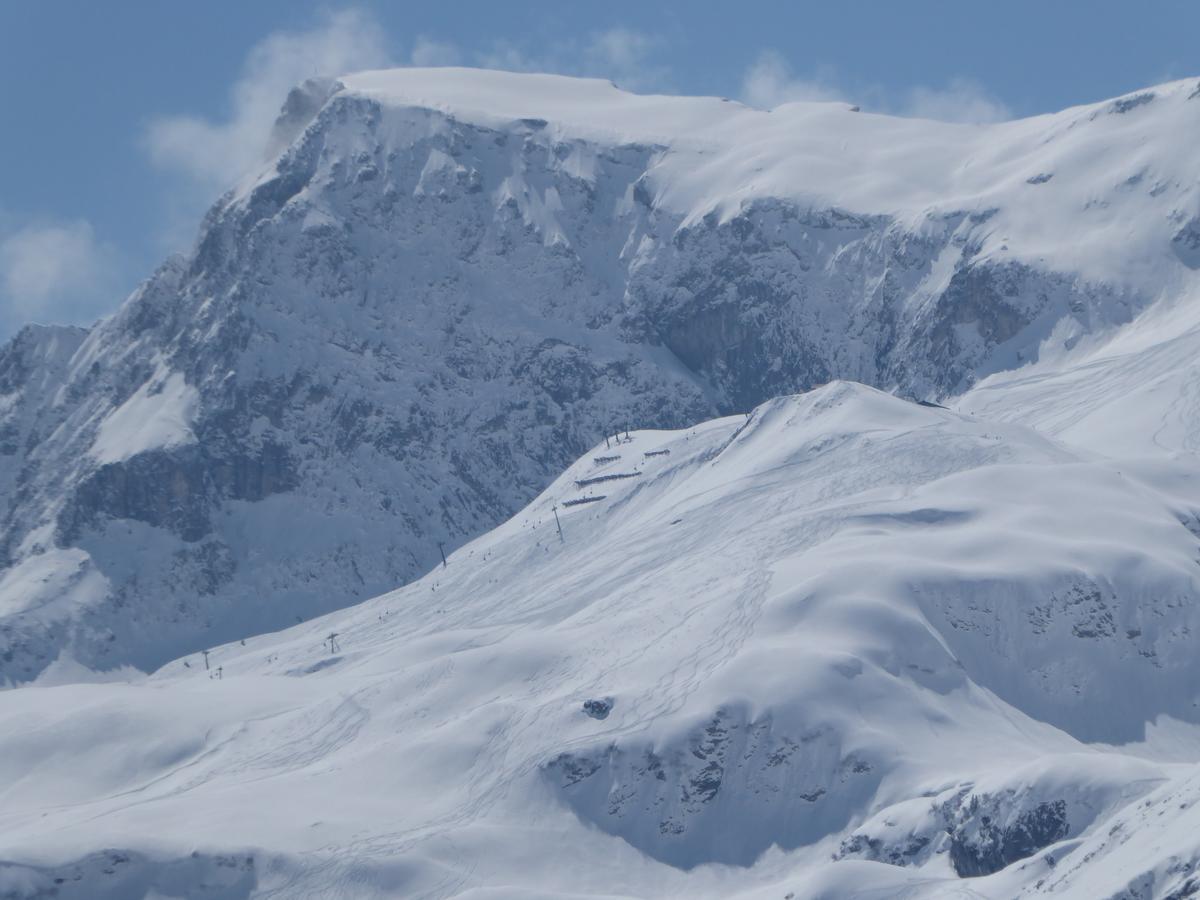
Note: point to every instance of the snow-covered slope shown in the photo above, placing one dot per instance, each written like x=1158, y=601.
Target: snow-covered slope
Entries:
x=1087, y=190
x=1131, y=394
x=845, y=646
x=449, y=283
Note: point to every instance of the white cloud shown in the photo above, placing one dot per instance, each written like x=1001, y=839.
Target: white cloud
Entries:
x=622, y=55
x=769, y=82
x=625, y=57
x=216, y=153
x=507, y=56
x=428, y=52
x=56, y=272
x=961, y=100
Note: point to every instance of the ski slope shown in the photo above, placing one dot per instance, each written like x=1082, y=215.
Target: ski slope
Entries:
x=844, y=646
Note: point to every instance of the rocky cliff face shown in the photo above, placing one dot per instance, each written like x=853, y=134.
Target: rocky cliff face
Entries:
x=427, y=305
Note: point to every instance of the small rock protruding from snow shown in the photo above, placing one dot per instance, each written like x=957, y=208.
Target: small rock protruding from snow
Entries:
x=598, y=709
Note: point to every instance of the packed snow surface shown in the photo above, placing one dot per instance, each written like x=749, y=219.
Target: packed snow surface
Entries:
x=844, y=644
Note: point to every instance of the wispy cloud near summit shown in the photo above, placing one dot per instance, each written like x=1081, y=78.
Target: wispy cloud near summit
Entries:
x=769, y=81
x=54, y=272
x=214, y=152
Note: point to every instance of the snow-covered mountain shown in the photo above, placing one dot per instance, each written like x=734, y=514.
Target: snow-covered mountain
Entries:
x=449, y=283
x=779, y=634
x=846, y=646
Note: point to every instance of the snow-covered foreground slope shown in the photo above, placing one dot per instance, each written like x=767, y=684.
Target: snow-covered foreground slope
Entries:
x=448, y=284
x=1134, y=394
x=845, y=646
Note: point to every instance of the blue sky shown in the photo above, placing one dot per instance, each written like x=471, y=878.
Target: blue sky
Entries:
x=123, y=121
